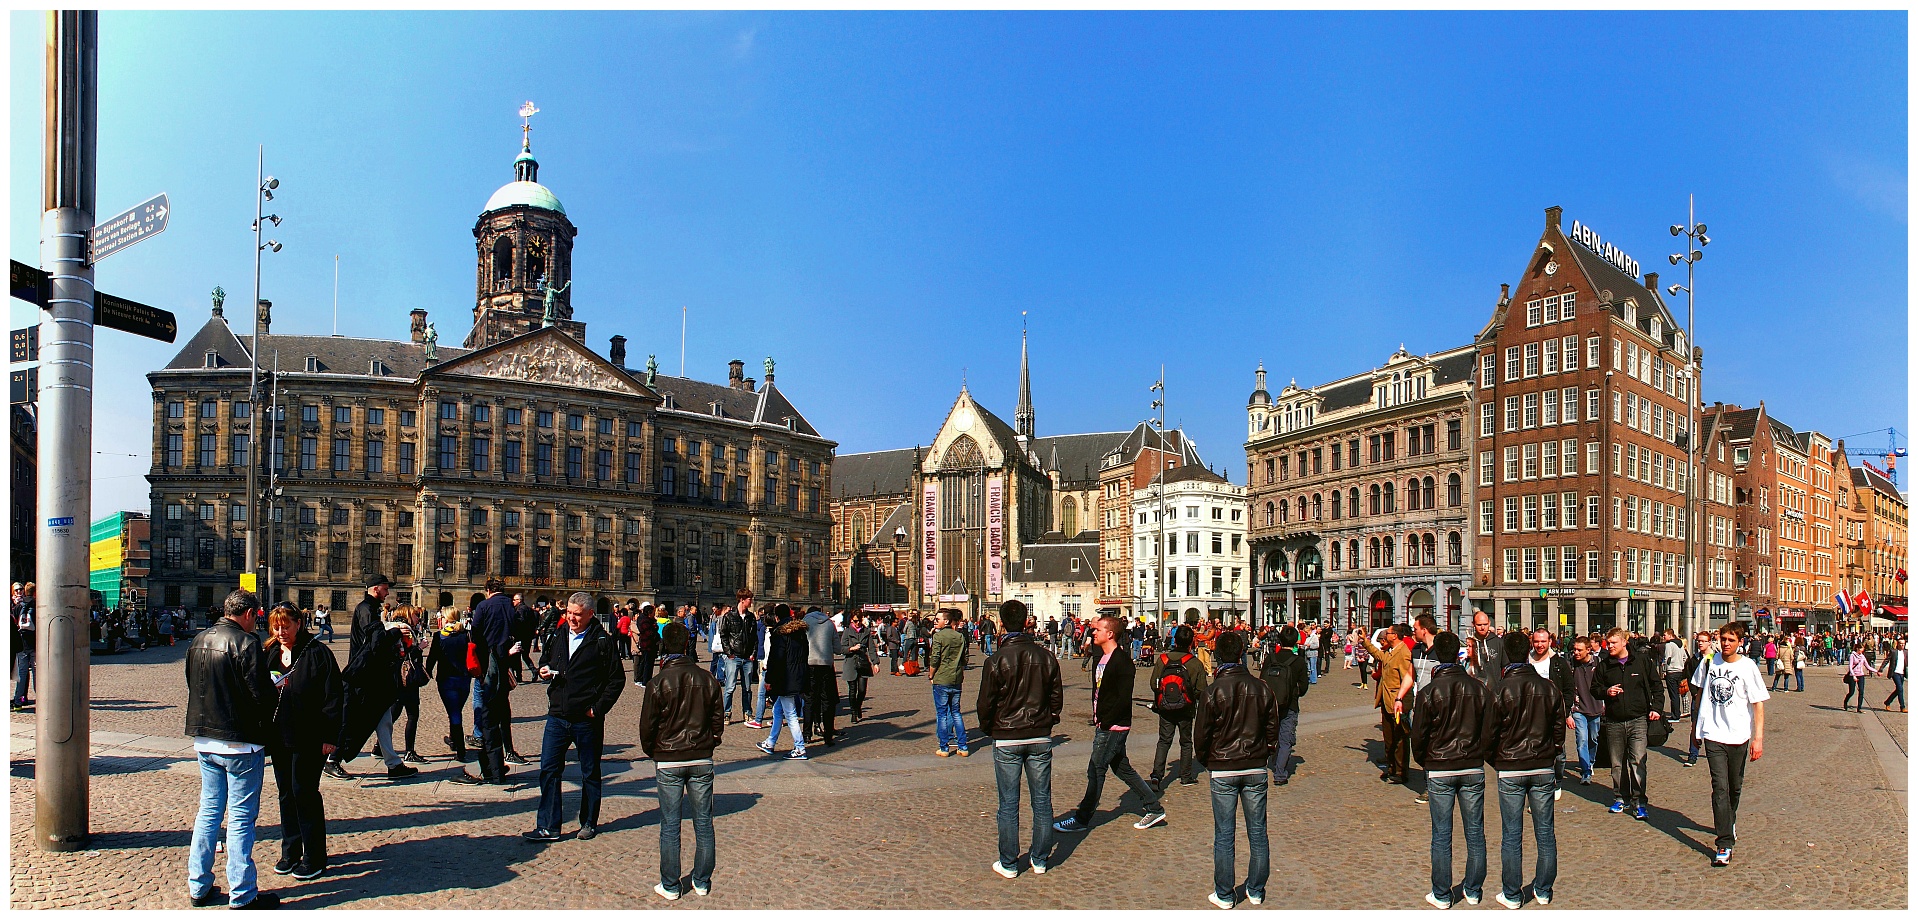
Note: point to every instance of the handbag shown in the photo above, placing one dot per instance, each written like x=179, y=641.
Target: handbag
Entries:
x=862, y=665
x=412, y=672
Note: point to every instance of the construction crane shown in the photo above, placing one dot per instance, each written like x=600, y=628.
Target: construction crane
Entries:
x=1891, y=452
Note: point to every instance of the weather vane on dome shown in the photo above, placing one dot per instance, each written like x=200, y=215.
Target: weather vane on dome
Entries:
x=526, y=112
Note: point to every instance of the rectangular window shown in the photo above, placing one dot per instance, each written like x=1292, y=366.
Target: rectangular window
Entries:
x=1570, y=401
x=1591, y=458
x=1531, y=360
x=1591, y=565
x=1592, y=360
x=310, y=413
x=1511, y=413
x=1531, y=564
x=1511, y=565
x=1550, y=459
x=482, y=453
x=342, y=454
x=1565, y=305
x=174, y=451
x=512, y=418
x=309, y=453
x=1531, y=461
x=1568, y=452
x=407, y=417
x=542, y=459
x=449, y=452
x=1531, y=411
x=632, y=467
x=1511, y=514
x=1550, y=412
x=603, y=466
x=575, y=461
x=1486, y=515
x=1570, y=504
x=635, y=429
x=668, y=480
x=1531, y=513
x=1487, y=421
x=1486, y=468
x=1548, y=559
x=449, y=410
x=510, y=456
x=1487, y=370
x=542, y=418
x=1511, y=463
x=1568, y=561
x=342, y=415
x=603, y=426
x=376, y=456
x=1551, y=356
x=509, y=558
x=1512, y=358
x=575, y=422
x=242, y=453
x=209, y=451
x=1548, y=511
x=1454, y=436
x=406, y=458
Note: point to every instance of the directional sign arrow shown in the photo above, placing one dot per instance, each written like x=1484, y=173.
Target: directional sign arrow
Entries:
x=137, y=318
x=128, y=227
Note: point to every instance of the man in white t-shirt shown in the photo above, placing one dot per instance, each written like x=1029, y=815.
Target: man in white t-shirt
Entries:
x=1731, y=723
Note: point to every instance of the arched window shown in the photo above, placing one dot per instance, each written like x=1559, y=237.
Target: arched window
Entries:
x=1412, y=550
x=1428, y=494
x=1452, y=549
x=1338, y=505
x=1069, y=516
x=1318, y=508
x=1268, y=514
x=858, y=530
x=1285, y=511
x=1412, y=494
x=1385, y=551
x=1352, y=510
x=1372, y=552
x=1301, y=509
x=1337, y=549
x=1429, y=546
x=503, y=259
x=1375, y=498
x=1310, y=565
x=1453, y=496
x=1390, y=505
x=1352, y=552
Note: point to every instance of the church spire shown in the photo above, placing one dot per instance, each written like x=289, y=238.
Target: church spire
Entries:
x=1022, y=417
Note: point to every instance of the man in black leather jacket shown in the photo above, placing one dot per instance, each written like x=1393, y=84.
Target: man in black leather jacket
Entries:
x=1020, y=698
x=1236, y=732
x=580, y=665
x=229, y=711
x=1448, y=728
x=1525, y=735
x=680, y=724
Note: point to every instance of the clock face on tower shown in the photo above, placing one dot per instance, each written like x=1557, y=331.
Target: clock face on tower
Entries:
x=1551, y=268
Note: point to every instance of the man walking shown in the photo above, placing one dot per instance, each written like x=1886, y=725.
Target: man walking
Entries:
x=822, y=681
x=1287, y=674
x=1112, y=726
x=1236, y=731
x=1020, y=698
x=583, y=679
x=1671, y=666
x=22, y=615
x=1731, y=722
x=786, y=676
x=1448, y=732
x=1485, y=652
x=680, y=725
x=493, y=647
x=948, y=674
x=1395, y=672
x=229, y=707
x=1632, y=694
x=372, y=677
x=1178, y=682
x=1586, y=708
x=1525, y=733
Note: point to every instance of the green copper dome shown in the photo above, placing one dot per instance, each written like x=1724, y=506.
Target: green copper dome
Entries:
x=524, y=194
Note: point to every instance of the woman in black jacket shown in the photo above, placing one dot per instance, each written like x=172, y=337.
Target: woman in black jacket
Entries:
x=306, y=720
x=446, y=664
x=856, y=643
x=786, y=677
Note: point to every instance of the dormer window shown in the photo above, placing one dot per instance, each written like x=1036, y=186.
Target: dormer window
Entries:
x=1028, y=567
x=1658, y=329
x=1631, y=312
x=377, y=368
x=312, y=364
x=212, y=359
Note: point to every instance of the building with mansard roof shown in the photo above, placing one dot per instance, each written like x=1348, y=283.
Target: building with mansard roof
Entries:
x=525, y=454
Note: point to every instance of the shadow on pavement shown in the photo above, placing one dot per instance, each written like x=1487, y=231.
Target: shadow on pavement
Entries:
x=406, y=867
x=724, y=803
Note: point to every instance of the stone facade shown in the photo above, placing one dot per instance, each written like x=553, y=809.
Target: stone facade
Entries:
x=1188, y=535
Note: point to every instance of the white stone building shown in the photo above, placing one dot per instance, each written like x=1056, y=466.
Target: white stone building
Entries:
x=1201, y=526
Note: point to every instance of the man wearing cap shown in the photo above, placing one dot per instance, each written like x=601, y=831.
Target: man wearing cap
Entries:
x=372, y=676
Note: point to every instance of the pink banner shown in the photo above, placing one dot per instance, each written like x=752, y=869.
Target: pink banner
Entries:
x=995, y=534
x=929, y=516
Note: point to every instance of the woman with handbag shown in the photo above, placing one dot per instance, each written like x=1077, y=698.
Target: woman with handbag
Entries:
x=1857, y=667
x=447, y=662
x=306, y=720
x=406, y=620
x=856, y=645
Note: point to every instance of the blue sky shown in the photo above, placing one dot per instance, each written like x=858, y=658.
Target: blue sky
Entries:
x=873, y=199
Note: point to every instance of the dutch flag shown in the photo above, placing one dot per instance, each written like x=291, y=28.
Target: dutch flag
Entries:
x=1843, y=602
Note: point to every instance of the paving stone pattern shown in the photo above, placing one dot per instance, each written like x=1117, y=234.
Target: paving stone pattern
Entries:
x=877, y=822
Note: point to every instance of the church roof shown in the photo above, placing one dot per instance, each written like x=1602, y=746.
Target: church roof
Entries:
x=1191, y=472
x=879, y=472
x=1076, y=456
x=523, y=194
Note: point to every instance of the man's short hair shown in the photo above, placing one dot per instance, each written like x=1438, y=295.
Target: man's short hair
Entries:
x=1288, y=635
x=581, y=598
x=743, y=594
x=1617, y=632
x=1583, y=640
x=1427, y=622
x=673, y=639
x=1445, y=647
x=951, y=614
x=1518, y=644
x=1182, y=638
x=1228, y=648
x=238, y=603
x=1116, y=624
x=1402, y=630
x=495, y=586
x=1735, y=627
x=1012, y=615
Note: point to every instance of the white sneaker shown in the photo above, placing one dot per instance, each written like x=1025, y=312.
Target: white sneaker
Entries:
x=1039, y=868
x=1557, y=794
x=1433, y=900
x=1542, y=899
x=660, y=889
x=1473, y=899
x=1255, y=899
x=1000, y=868
x=702, y=892
x=1508, y=902
x=1219, y=902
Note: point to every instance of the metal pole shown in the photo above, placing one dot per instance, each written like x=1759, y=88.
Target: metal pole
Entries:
x=263, y=454
x=1159, y=479
x=62, y=731
x=253, y=382
x=1691, y=423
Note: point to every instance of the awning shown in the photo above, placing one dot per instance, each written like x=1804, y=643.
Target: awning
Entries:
x=1896, y=613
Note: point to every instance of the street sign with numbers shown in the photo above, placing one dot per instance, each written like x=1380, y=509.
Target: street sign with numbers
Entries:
x=25, y=345
x=25, y=282
x=23, y=386
x=128, y=227
x=137, y=318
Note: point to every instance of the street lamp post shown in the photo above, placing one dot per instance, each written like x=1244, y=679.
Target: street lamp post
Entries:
x=1158, y=479
x=1695, y=232
x=263, y=193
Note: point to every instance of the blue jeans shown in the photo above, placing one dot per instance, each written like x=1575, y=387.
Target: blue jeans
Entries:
x=1585, y=733
x=1108, y=753
x=1517, y=794
x=1311, y=667
x=588, y=737
x=1228, y=793
x=1467, y=794
x=1801, y=679
x=676, y=787
x=22, y=675
x=730, y=672
x=1035, y=761
x=950, y=722
x=759, y=691
x=1281, y=762
x=230, y=787
x=786, y=709
x=453, y=694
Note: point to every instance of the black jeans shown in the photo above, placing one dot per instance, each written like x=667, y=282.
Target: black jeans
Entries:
x=1108, y=753
x=296, y=772
x=409, y=703
x=1728, y=780
x=822, y=701
x=1168, y=726
x=856, y=697
x=1397, y=748
x=493, y=717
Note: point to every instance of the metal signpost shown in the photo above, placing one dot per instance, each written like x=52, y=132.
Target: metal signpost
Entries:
x=128, y=227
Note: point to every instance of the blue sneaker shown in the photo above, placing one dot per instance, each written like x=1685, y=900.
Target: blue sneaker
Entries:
x=1639, y=813
x=1618, y=806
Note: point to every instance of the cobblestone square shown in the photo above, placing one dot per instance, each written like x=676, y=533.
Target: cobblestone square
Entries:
x=878, y=822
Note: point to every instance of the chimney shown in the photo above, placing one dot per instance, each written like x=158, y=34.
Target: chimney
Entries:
x=618, y=353
x=736, y=374
x=1651, y=282
x=419, y=325
x=266, y=316
x=1504, y=294
x=748, y=385
x=1551, y=217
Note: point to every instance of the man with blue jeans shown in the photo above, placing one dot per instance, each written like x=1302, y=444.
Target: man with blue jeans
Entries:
x=736, y=649
x=680, y=724
x=1524, y=733
x=1112, y=728
x=1447, y=738
x=230, y=699
x=947, y=674
x=580, y=665
x=1236, y=731
x=1020, y=698
x=1586, y=707
x=1311, y=646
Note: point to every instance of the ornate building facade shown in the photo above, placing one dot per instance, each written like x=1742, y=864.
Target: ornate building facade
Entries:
x=525, y=455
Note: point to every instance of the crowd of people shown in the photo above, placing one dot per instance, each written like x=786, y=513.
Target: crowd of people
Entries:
x=1228, y=695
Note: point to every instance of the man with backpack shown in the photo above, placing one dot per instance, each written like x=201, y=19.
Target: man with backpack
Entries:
x=1177, y=683
x=1287, y=673
x=1112, y=726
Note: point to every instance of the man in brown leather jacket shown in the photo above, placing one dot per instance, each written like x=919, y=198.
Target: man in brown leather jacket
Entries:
x=1020, y=698
x=1395, y=669
x=680, y=724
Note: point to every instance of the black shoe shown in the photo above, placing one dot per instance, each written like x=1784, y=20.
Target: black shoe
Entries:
x=336, y=771
x=283, y=867
x=410, y=757
x=464, y=778
x=540, y=835
x=401, y=772
x=213, y=896
x=588, y=832
x=307, y=873
x=1281, y=780
x=1189, y=781
x=265, y=900
x=513, y=757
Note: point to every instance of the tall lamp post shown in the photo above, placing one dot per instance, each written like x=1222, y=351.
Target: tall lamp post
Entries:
x=1158, y=479
x=263, y=193
x=1695, y=232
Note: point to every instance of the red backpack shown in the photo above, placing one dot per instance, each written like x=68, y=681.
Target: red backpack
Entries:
x=1172, y=693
